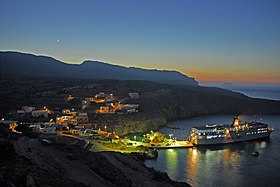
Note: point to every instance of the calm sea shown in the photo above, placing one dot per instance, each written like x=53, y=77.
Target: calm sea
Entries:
x=223, y=165
x=264, y=94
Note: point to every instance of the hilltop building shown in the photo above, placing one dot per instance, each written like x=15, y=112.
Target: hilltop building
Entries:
x=134, y=95
x=25, y=110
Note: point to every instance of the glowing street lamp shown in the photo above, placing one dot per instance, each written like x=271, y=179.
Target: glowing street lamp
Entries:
x=134, y=138
x=170, y=135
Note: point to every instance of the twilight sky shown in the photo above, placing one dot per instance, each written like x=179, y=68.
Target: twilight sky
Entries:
x=211, y=40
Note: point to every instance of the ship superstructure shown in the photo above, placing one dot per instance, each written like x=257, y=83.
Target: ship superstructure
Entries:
x=223, y=133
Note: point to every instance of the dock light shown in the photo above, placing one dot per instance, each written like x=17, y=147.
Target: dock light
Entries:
x=170, y=150
x=170, y=135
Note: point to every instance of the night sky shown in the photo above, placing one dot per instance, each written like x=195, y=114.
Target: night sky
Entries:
x=211, y=40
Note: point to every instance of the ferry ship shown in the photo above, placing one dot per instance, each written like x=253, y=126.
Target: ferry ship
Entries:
x=222, y=134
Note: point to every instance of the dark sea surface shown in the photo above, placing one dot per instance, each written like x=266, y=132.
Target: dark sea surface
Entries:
x=222, y=165
x=263, y=94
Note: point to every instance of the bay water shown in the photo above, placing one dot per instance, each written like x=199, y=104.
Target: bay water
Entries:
x=222, y=165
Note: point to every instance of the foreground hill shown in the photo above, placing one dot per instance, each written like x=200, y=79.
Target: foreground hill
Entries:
x=21, y=64
x=26, y=162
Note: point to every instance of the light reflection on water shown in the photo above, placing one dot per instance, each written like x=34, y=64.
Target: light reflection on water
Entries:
x=171, y=159
x=223, y=165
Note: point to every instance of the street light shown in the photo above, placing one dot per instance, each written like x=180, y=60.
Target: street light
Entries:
x=134, y=138
x=170, y=135
x=105, y=127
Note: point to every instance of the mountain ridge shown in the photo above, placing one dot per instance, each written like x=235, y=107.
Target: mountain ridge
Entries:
x=25, y=64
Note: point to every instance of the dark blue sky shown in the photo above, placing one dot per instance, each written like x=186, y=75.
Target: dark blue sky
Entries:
x=212, y=40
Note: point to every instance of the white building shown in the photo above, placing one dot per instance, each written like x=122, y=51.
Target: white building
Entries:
x=35, y=128
x=37, y=113
x=25, y=110
x=20, y=112
x=129, y=108
x=132, y=110
x=88, y=132
x=82, y=117
x=28, y=109
x=48, y=129
x=44, y=128
x=101, y=94
x=69, y=122
x=133, y=95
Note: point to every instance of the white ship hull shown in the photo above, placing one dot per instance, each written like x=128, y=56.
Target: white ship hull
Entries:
x=234, y=139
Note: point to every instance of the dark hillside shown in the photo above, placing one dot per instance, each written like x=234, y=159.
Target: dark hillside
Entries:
x=158, y=103
x=21, y=64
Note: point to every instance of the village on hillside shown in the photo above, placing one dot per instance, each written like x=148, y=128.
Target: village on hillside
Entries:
x=80, y=123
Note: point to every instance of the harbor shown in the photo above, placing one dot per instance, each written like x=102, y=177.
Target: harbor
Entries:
x=224, y=164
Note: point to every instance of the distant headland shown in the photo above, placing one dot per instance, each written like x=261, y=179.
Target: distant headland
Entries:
x=23, y=64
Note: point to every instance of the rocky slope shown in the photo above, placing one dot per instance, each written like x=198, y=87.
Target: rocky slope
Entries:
x=26, y=162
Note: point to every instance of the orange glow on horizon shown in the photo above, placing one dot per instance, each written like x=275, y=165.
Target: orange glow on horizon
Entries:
x=241, y=77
